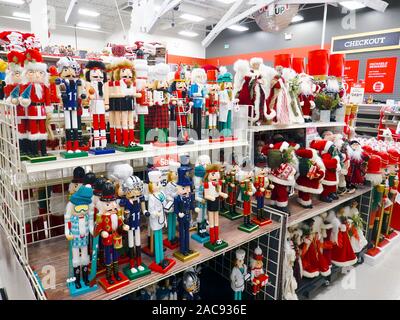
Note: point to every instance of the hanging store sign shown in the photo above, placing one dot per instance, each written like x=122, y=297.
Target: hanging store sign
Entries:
x=350, y=74
x=380, y=75
x=369, y=41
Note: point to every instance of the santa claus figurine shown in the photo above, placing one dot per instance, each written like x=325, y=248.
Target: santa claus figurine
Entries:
x=356, y=226
x=358, y=162
x=311, y=172
x=257, y=273
x=306, y=96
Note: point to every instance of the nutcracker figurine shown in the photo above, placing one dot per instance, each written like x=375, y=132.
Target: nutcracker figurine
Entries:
x=232, y=186
x=197, y=94
x=97, y=90
x=239, y=274
x=78, y=224
x=183, y=206
x=109, y=225
x=157, y=206
x=35, y=96
x=212, y=101
x=212, y=193
x=263, y=191
x=144, y=101
x=134, y=205
x=258, y=277
x=71, y=89
x=226, y=101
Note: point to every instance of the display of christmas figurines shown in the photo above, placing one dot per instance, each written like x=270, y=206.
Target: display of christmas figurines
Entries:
x=239, y=274
x=71, y=90
x=123, y=96
x=263, y=191
x=258, y=276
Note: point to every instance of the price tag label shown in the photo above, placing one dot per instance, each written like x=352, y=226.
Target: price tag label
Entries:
x=163, y=161
x=357, y=94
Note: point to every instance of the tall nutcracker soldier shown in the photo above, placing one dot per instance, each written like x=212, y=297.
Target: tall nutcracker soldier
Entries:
x=197, y=94
x=212, y=101
x=232, y=186
x=263, y=191
x=184, y=204
x=258, y=277
x=226, y=101
x=247, y=190
x=212, y=193
x=71, y=89
x=144, y=101
x=109, y=225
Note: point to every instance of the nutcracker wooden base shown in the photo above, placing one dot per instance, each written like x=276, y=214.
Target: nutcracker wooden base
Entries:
x=248, y=228
x=383, y=244
x=194, y=228
x=101, y=269
x=262, y=222
x=135, y=275
x=24, y=157
x=216, y=247
x=117, y=284
x=186, y=258
x=171, y=245
x=164, y=144
x=200, y=239
x=222, y=139
x=129, y=149
x=74, y=292
x=231, y=216
x=73, y=155
x=391, y=236
x=157, y=268
x=41, y=158
x=97, y=152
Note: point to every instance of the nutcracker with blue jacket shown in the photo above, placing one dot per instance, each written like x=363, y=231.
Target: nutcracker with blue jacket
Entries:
x=157, y=205
x=197, y=94
x=184, y=204
x=109, y=225
x=263, y=191
x=78, y=225
x=212, y=100
x=71, y=89
x=134, y=206
x=226, y=101
x=239, y=274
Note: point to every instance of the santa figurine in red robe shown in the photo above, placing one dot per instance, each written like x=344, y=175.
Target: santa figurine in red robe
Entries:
x=357, y=170
x=306, y=96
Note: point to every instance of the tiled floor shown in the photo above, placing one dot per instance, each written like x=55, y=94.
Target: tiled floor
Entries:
x=365, y=282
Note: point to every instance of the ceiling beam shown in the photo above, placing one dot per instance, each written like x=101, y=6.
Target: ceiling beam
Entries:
x=165, y=7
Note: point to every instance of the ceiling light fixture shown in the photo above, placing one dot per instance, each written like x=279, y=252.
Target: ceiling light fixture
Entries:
x=237, y=27
x=227, y=1
x=188, y=34
x=23, y=15
x=88, y=25
x=89, y=13
x=13, y=1
x=297, y=18
x=352, y=5
x=191, y=17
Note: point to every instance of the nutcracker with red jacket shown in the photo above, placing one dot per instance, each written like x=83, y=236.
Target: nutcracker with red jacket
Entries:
x=263, y=188
x=212, y=193
x=283, y=164
x=97, y=90
x=358, y=162
x=35, y=96
x=144, y=101
x=12, y=91
x=311, y=173
x=109, y=226
x=306, y=96
x=331, y=160
x=71, y=89
x=212, y=101
x=258, y=277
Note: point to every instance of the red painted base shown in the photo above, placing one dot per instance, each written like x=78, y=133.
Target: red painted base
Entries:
x=373, y=252
x=170, y=245
x=117, y=285
x=383, y=243
x=157, y=268
x=392, y=236
x=261, y=223
x=147, y=251
x=222, y=139
x=164, y=144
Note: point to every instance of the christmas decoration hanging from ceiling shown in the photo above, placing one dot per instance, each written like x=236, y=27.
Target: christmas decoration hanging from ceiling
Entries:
x=274, y=18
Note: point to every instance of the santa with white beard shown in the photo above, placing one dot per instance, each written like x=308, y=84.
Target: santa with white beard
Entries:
x=357, y=170
x=306, y=96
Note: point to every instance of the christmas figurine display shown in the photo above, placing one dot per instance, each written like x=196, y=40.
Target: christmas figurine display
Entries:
x=197, y=94
x=78, y=225
x=212, y=193
x=71, y=90
x=258, y=277
x=134, y=206
x=306, y=96
x=263, y=191
x=239, y=274
x=184, y=204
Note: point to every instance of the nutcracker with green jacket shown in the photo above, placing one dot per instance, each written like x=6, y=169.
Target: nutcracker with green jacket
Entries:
x=247, y=190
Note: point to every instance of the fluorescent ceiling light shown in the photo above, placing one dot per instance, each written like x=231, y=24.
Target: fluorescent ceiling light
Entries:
x=227, y=1
x=237, y=27
x=191, y=17
x=352, y=5
x=23, y=15
x=157, y=8
x=297, y=18
x=13, y=1
x=89, y=13
x=188, y=34
x=88, y=25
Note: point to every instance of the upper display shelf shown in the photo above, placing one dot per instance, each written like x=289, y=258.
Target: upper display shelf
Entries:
x=296, y=126
x=55, y=58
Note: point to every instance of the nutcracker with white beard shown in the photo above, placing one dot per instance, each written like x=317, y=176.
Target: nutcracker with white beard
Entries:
x=306, y=96
x=357, y=169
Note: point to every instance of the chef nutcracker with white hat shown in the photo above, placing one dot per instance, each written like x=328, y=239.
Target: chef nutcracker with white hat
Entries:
x=258, y=277
x=263, y=188
x=109, y=225
x=78, y=225
x=184, y=204
x=157, y=205
x=212, y=100
x=239, y=274
x=197, y=94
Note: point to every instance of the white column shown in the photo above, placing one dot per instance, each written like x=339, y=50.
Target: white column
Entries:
x=39, y=21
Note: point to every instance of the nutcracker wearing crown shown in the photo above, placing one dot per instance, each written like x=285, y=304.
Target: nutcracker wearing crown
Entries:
x=239, y=274
x=35, y=96
x=212, y=99
x=226, y=101
x=179, y=106
x=247, y=190
x=97, y=90
x=12, y=91
x=134, y=206
x=306, y=96
x=72, y=92
x=212, y=193
x=311, y=173
x=358, y=162
x=109, y=225
x=197, y=94
x=258, y=277
x=263, y=187
x=78, y=225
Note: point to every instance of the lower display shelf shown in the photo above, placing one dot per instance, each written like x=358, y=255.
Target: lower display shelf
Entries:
x=54, y=254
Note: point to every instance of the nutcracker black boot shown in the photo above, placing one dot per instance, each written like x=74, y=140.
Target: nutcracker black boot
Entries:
x=116, y=271
x=131, y=258
x=108, y=274
x=43, y=148
x=138, y=256
x=85, y=275
x=77, y=275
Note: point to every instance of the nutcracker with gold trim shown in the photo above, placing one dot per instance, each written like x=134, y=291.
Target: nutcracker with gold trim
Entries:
x=247, y=190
